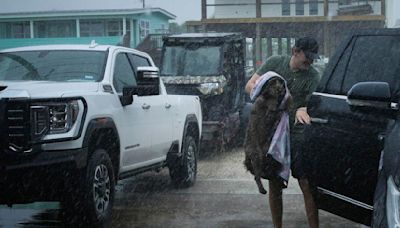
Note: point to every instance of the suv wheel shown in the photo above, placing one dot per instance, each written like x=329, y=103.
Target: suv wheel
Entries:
x=94, y=201
x=183, y=173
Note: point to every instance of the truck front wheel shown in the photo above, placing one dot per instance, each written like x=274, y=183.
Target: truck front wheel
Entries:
x=94, y=201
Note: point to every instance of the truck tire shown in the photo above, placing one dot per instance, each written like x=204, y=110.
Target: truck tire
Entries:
x=183, y=173
x=93, y=201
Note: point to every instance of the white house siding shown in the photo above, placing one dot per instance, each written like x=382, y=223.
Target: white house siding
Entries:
x=235, y=11
x=392, y=14
x=376, y=8
x=269, y=10
x=273, y=8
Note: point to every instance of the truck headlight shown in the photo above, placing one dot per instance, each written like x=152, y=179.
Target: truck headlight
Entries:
x=392, y=204
x=55, y=117
x=62, y=116
x=213, y=88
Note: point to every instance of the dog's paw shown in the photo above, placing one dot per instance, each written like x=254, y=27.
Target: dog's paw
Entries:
x=262, y=191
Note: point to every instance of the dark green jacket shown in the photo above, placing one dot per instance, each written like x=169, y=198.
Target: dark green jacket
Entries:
x=301, y=84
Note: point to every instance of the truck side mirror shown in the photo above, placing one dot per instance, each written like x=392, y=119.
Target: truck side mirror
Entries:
x=148, y=81
x=370, y=96
x=127, y=95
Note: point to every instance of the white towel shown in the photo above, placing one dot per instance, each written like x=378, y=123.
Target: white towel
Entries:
x=280, y=144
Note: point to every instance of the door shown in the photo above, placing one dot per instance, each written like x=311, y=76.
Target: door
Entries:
x=344, y=146
x=158, y=110
x=161, y=125
x=134, y=122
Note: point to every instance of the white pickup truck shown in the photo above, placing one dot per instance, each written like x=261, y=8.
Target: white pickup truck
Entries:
x=74, y=119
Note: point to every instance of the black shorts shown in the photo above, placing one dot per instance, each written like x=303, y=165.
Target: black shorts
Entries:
x=299, y=164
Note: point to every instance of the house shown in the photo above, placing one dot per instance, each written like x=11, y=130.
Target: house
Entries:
x=273, y=25
x=393, y=13
x=81, y=26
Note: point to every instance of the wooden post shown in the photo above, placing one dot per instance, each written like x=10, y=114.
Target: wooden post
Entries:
x=327, y=40
x=288, y=46
x=203, y=9
x=269, y=47
x=326, y=8
x=258, y=8
x=279, y=46
x=258, y=45
x=31, y=28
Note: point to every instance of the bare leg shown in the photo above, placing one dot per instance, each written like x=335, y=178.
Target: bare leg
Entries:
x=311, y=208
x=275, y=202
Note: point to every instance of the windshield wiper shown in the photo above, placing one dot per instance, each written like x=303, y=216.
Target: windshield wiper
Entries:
x=28, y=65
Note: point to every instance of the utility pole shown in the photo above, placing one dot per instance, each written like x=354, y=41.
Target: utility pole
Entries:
x=143, y=1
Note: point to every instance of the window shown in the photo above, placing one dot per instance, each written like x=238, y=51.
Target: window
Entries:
x=192, y=60
x=114, y=28
x=172, y=58
x=53, y=65
x=299, y=7
x=123, y=73
x=138, y=61
x=128, y=26
x=162, y=30
x=49, y=29
x=386, y=62
x=92, y=28
x=285, y=7
x=16, y=29
x=313, y=7
x=144, y=29
x=335, y=80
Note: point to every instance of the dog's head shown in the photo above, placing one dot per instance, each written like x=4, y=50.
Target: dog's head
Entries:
x=274, y=89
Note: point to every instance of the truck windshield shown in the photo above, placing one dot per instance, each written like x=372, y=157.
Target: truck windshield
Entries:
x=198, y=61
x=52, y=65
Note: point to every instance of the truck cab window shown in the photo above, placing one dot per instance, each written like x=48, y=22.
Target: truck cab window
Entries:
x=123, y=73
x=138, y=61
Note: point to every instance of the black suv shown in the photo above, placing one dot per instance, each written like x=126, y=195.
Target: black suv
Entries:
x=352, y=143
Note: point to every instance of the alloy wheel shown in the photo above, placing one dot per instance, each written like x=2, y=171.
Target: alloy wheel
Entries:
x=101, y=189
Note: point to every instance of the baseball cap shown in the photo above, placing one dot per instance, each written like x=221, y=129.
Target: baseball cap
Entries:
x=309, y=46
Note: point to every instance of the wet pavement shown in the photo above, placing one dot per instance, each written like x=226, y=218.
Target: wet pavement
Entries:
x=224, y=195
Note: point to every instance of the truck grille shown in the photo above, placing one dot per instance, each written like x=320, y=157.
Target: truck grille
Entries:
x=3, y=129
x=15, y=125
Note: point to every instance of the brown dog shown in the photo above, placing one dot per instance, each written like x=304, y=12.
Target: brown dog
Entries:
x=264, y=118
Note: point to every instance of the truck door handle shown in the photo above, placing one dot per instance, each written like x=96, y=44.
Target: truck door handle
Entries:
x=319, y=120
x=167, y=105
x=145, y=106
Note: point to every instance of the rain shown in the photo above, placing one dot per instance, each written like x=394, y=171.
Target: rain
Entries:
x=144, y=113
